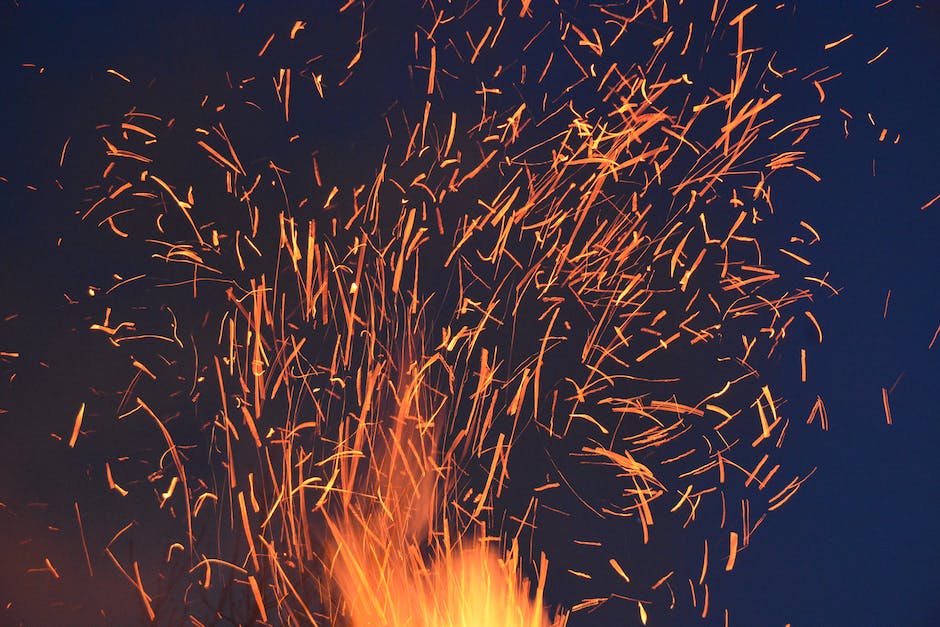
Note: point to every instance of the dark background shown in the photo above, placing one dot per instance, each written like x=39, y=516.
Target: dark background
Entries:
x=857, y=546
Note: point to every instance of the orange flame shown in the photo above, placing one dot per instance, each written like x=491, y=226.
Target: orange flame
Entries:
x=396, y=559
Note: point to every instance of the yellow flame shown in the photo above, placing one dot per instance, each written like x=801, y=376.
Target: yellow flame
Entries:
x=396, y=560
x=467, y=587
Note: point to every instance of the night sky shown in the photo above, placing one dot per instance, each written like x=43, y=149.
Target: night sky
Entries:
x=856, y=546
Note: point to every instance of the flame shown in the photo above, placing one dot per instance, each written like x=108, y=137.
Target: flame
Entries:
x=470, y=586
x=396, y=557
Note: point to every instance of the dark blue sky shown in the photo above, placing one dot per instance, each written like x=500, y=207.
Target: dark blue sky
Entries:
x=857, y=546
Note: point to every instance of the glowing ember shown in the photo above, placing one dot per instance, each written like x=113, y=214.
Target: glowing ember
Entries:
x=364, y=385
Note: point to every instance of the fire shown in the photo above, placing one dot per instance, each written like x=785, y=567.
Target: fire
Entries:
x=464, y=588
x=394, y=558
x=360, y=397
